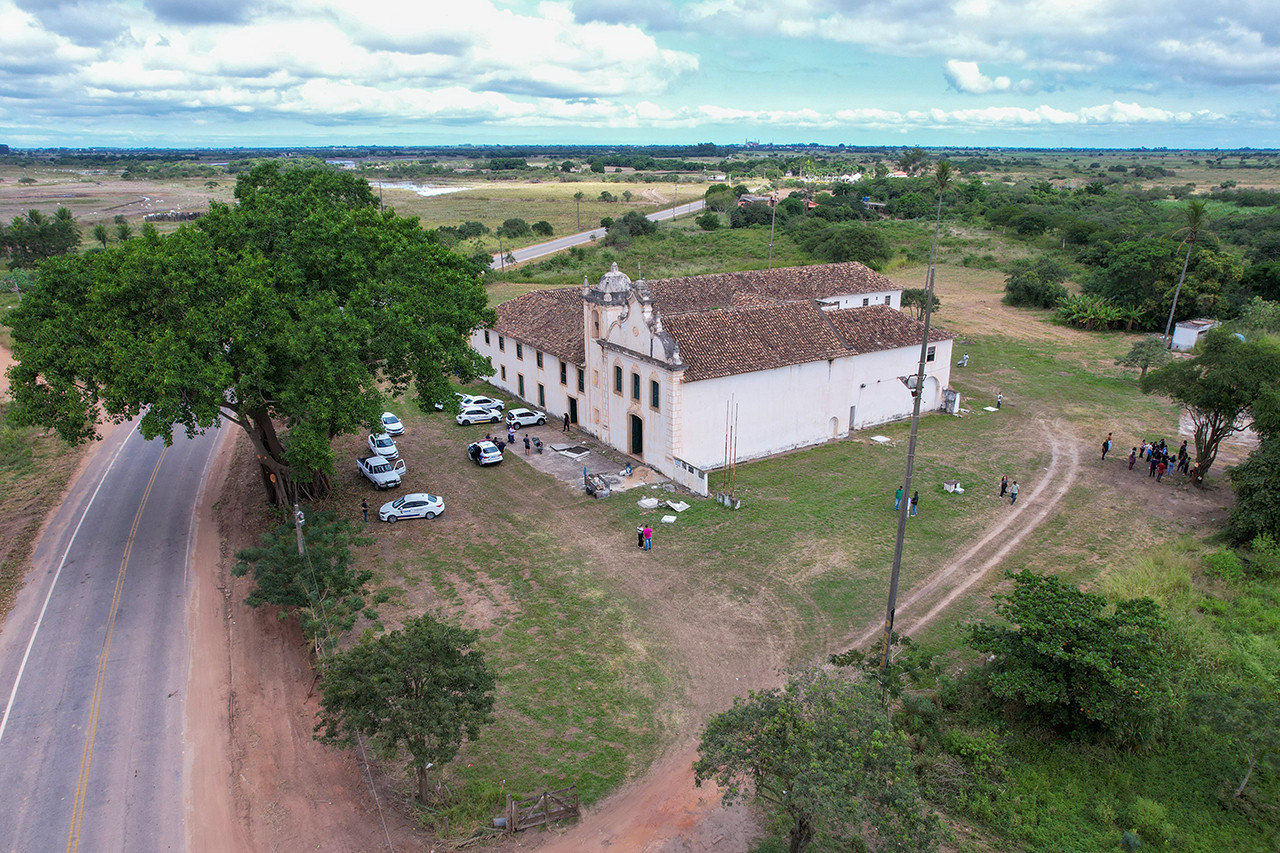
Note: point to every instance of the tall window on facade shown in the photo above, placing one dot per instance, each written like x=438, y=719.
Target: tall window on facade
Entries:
x=617, y=379
x=888, y=300
x=542, y=396
x=654, y=390
x=635, y=386
x=595, y=323
x=503, y=370
x=866, y=302
x=929, y=354
x=502, y=345
x=520, y=351
x=564, y=373
x=582, y=379
x=520, y=383
x=486, y=337
x=537, y=357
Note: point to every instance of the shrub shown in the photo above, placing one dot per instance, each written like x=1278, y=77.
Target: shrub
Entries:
x=708, y=221
x=1224, y=564
x=1036, y=283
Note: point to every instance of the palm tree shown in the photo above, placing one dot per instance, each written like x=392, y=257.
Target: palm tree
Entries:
x=942, y=176
x=1195, y=218
x=101, y=234
x=577, y=198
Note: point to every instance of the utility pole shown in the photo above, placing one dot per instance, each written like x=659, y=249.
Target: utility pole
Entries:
x=773, y=218
x=943, y=178
x=299, y=519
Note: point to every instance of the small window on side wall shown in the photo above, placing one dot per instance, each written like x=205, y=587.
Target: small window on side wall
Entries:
x=655, y=391
x=617, y=379
x=929, y=354
x=502, y=345
x=537, y=357
x=520, y=351
x=564, y=373
x=486, y=337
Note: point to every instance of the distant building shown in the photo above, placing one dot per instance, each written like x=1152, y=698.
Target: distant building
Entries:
x=656, y=369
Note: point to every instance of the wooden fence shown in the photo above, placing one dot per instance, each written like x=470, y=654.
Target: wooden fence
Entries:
x=541, y=810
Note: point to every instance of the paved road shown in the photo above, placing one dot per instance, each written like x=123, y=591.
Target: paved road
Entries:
x=94, y=658
x=529, y=253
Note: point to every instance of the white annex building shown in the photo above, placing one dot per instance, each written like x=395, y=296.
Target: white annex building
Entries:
x=652, y=368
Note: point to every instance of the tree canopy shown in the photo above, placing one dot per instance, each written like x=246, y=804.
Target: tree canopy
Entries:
x=423, y=688
x=823, y=752
x=1077, y=663
x=297, y=308
x=32, y=238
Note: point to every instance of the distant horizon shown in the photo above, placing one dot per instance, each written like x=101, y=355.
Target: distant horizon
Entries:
x=549, y=147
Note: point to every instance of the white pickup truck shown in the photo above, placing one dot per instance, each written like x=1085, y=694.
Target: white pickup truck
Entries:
x=380, y=472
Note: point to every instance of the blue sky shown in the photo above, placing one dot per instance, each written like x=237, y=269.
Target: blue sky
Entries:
x=1053, y=73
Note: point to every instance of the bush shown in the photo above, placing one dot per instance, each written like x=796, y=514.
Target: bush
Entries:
x=1224, y=564
x=708, y=221
x=1036, y=284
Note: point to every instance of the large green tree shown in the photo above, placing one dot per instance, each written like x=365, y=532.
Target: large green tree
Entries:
x=1218, y=389
x=821, y=751
x=423, y=688
x=289, y=314
x=1076, y=662
x=1257, y=509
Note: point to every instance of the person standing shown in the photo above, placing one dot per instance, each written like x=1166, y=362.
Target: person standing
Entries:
x=648, y=538
x=897, y=499
x=1004, y=485
x=1160, y=469
x=565, y=428
x=1155, y=460
x=915, y=502
x=999, y=400
x=1106, y=446
x=511, y=434
x=1133, y=457
x=364, y=508
x=1013, y=493
x=639, y=537
x=526, y=444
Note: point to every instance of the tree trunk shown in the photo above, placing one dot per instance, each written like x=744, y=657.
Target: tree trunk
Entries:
x=800, y=836
x=420, y=771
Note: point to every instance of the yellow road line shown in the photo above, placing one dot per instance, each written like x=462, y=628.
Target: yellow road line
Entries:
x=77, y=811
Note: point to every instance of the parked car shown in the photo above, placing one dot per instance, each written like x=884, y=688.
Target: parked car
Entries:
x=382, y=445
x=391, y=424
x=525, y=417
x=416, y=505
x=477, y=416
x=469, y=402
x=380, y=472
x=484, y=453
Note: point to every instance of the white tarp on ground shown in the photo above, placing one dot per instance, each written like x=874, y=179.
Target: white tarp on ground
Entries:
x=648, y=503
x=678, y=506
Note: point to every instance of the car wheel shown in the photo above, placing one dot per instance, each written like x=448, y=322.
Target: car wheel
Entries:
x=494, y=419
x=392, y=519
x=541, y=421
x=431, y=515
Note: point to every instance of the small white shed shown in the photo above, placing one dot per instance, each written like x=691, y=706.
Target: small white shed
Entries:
x=1187, y=333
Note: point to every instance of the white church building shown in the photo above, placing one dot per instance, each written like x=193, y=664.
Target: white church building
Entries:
x=657, y=368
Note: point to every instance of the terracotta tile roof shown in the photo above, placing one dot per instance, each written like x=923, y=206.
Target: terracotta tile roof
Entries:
x=724, y=290
x=743, y=340
x=879, y=327
x=549, y=320
x=731, y=323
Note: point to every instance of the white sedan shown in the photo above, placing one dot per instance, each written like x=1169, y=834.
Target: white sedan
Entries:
x=416, y=505
x=469, y=402
x=475, y=415
x=382, y=445
x=525, y=417
x=391, y=425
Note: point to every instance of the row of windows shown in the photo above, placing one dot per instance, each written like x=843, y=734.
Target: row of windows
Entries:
x=655, y=390
x=537, y=357
x=866, y=300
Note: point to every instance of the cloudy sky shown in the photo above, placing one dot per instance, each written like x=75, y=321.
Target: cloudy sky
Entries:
x=1073, y=73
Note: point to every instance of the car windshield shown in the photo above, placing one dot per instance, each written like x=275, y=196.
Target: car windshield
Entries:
x=395, y=504
x=389, y=419
x=381, y=469
x=382, y=442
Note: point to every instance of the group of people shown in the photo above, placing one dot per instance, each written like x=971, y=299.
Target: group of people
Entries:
x=1158, y=456
x=1010, y=489
x=914, y=503
x=644, y=537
